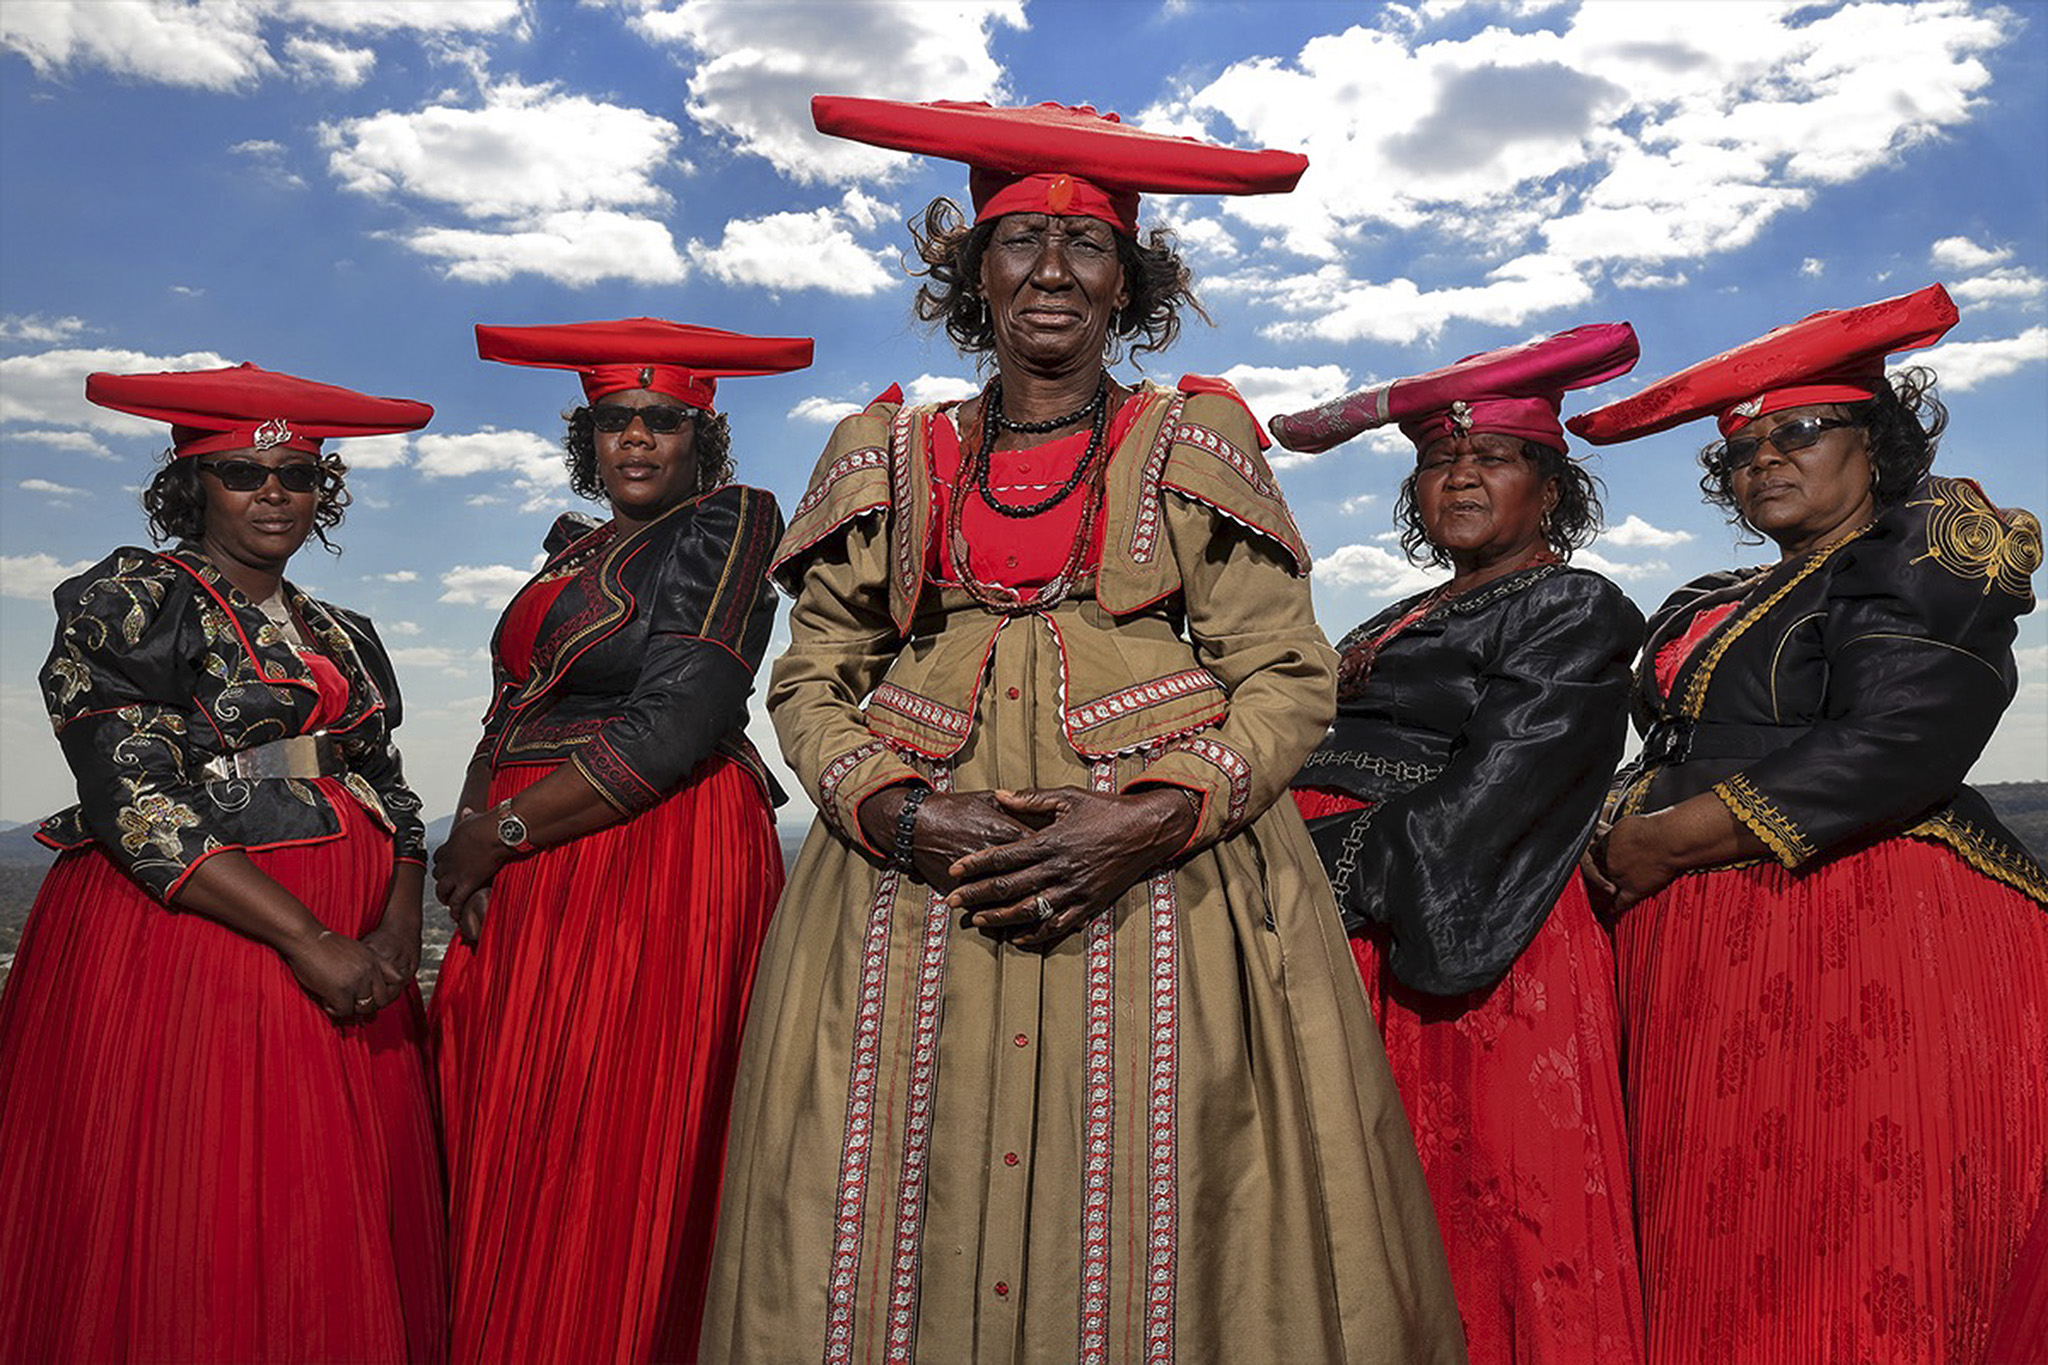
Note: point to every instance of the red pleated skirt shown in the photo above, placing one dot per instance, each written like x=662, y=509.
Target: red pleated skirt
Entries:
x=1838, y=1088
x=196, y=1164
x=586, y=1053
x=1514, y=1095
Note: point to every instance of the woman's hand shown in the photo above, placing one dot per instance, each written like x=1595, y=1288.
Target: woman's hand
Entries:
x=1089, y=848
x=950, y=826
x=343, y=976
x=1635, y=860
x=466, y=862
x=1593, y=870
x=1641, y=854
x=469, y=917
x=396, y=939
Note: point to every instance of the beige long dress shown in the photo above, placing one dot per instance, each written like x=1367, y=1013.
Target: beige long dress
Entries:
x=1175, y=1135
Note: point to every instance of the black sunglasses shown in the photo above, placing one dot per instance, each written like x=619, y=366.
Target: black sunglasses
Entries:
x=1798, y=434
x=246, y=476
x=659, y=418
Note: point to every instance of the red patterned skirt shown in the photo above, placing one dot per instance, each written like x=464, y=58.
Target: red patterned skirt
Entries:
x=1838, y=1087
x=586, y=1053
x=198, y=1164
x=1514, y=1094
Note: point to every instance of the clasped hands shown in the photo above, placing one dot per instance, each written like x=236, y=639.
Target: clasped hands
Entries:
x=998, y=854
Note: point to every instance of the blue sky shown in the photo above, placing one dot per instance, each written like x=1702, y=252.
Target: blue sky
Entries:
x=340, y=188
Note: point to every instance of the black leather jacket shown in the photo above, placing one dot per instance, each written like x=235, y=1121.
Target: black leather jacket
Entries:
x=160, y=664
x=1487, y=734
x=1846, y=698
x=643, y=662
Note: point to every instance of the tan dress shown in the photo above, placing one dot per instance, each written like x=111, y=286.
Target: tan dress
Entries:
x=1173, y=1136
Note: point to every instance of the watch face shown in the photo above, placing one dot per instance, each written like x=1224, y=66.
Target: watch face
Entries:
x=511, y=831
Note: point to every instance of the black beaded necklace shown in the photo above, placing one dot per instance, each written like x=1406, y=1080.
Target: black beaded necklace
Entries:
x=992, y=418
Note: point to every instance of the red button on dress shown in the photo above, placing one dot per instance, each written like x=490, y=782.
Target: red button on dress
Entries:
x=1002, y=1289
x=1009, y=1158
x=1014, y=694
x=1020, y=1040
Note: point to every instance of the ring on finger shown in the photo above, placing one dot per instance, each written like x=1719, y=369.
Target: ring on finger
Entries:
x=1042, y=909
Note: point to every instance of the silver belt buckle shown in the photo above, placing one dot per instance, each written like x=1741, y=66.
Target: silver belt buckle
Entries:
x=302, y=756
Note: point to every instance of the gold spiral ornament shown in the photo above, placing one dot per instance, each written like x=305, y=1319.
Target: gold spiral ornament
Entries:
x=1975, y=540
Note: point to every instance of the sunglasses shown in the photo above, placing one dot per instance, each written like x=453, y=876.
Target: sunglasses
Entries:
x=246, y=476
x=659, y=418
x=1785, y=438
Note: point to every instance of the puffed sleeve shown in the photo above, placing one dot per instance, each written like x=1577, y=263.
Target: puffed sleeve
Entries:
x=1249, y=617
x=1464, y=868
x=118, y=684
x=1921, y=615
x=711, y=611
x=373, y=756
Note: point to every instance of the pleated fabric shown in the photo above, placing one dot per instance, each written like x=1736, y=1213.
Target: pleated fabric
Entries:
x=585, y=1054
x=1838, y=1086
x=199, y=1165
x=1514, y=1094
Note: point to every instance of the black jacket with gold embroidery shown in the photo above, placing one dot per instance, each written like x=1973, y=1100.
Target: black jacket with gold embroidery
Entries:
x=1486, y=735
x=160, y=664
x=1846, y=698
x=642, y=665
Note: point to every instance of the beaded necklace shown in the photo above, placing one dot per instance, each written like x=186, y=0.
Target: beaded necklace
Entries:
x=992, y=419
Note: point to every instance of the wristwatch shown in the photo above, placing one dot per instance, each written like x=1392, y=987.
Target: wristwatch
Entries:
x=512, y=829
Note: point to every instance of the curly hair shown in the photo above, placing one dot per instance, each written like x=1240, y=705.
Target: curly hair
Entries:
x=1570, y=525
x=711, y=443
x=176, y=503
x=1902, y=422
x=1158, y=282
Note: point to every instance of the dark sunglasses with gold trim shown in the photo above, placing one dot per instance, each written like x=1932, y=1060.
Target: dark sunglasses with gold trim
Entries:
x=246, y=476
x=1785, y=438
x=659, y=418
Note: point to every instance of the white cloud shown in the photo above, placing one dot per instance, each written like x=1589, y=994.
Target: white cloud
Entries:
x=82, y=441
x=405, y=628
x=1960, y=253
x=372, y=452
x=53, y=489
x=827, y=410
x=2011, y=284
x=531, y=149
x=1654, y=569
x=760, y=64
x=1615, y=146
x=329, y=63
x=1351, y=507
x=401, y=576
x=1376, y=570
x=1634, y=533
x=941, y=388
x=454, y=662
x=578, y=248
x=532, y=462
x=36, y=576
x=49, y=386
x=1812, y=266
x=38, y=330
x=558, y=184
x=483, y=585
x=1966, y=364
x=796, y=251
x=216, y=46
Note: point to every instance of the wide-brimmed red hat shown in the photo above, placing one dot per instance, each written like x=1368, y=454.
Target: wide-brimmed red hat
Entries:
x=1830, y=357
x=677, y=359
x=1053, y=158
x=245, y=407
x=1515, y=391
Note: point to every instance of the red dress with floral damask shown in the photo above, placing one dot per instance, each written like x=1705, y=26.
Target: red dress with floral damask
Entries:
x=1838, y=1096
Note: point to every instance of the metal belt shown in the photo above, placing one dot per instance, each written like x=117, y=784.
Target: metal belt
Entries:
x=299, y=756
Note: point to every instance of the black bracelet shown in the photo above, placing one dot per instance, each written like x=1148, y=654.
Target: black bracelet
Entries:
x=906, y=829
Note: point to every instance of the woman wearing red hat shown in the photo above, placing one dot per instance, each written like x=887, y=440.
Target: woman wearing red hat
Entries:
x=1834, y=962
x=213, y=1095
x=1055, y=1053
x=614, y=867
x=1477, y=726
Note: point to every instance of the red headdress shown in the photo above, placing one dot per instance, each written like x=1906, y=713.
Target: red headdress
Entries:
x=1831, y=357
x=245, y=407
x=1515, y=390
x=671, y=358
x=1049, y=158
